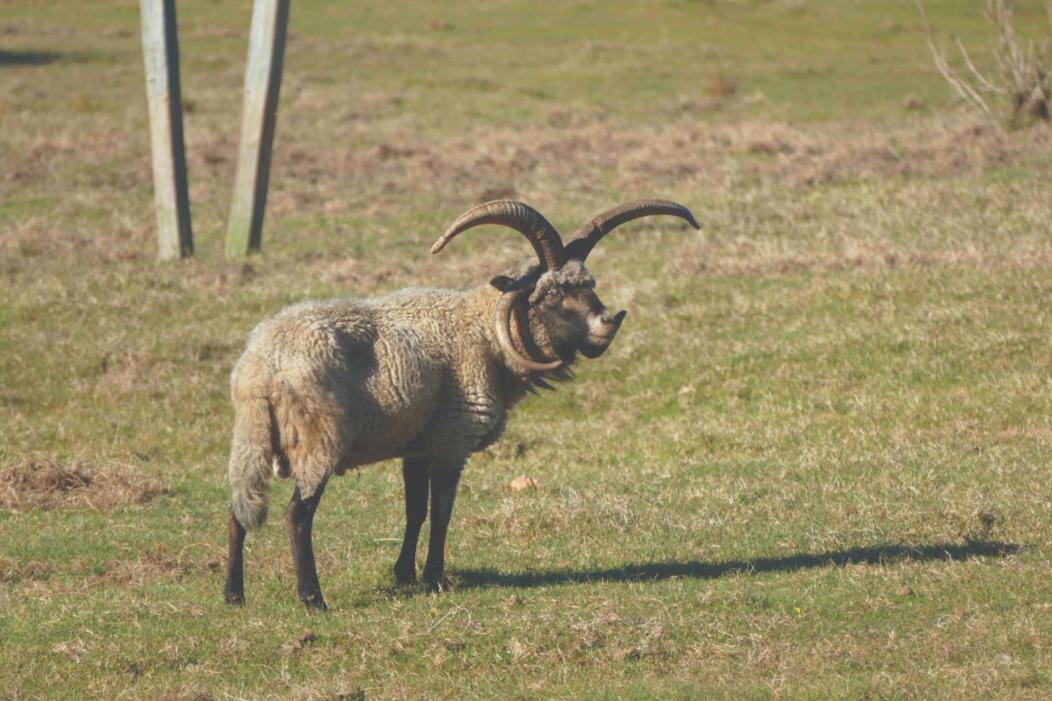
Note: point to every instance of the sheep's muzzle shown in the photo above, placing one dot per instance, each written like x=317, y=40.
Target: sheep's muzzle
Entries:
x=602, y=334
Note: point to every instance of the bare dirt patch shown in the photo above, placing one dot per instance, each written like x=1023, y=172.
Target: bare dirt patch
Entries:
x=41, y=482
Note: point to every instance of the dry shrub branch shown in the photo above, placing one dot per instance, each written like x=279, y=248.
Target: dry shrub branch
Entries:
x=1019, y=85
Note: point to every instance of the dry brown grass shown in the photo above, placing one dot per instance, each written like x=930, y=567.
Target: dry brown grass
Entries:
x=41, y=482
x=498, y=162
x=399, y=168
x=750, y=259
x=160, y=562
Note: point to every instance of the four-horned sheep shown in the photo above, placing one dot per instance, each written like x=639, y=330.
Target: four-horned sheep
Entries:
x=424, y=375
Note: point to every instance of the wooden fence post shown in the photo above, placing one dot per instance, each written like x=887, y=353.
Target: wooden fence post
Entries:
x=266, y=51
x=160, y=48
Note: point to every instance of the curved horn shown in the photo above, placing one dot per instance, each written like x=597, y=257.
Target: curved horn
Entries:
x=584, y=239
x=502, y=322
x=516, y=215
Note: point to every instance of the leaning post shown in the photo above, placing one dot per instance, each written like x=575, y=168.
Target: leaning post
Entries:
x=160, y=48
x=266, y=51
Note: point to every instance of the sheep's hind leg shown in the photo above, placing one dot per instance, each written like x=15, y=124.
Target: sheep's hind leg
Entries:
x=443, y=493
x=235, y=573
x=414, y=474
x=299, y=519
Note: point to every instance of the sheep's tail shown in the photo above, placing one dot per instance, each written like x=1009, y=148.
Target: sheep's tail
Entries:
x=251, y=456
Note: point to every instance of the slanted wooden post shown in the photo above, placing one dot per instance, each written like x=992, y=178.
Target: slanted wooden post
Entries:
x=160, y=49
x=266, y=52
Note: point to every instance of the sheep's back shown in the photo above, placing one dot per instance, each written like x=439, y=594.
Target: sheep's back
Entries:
x=353, y=380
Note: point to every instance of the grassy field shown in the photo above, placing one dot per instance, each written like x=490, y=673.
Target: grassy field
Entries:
x=816, y=463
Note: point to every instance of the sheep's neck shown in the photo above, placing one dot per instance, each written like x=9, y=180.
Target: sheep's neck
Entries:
x=532, y=336
x=528, y=334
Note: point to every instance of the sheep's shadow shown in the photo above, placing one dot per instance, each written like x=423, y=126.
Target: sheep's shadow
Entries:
x=27, y=58
x=655, y=571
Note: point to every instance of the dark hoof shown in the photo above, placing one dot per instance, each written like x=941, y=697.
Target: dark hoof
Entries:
x=437, y=585
x=314, y=602
x=405, y=576
x=234, y=599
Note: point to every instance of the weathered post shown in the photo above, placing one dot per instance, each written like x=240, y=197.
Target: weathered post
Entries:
x=160, y=48
x=266, y=51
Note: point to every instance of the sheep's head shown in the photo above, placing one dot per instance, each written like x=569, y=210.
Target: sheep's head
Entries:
x=566, y=316
x=551, y=308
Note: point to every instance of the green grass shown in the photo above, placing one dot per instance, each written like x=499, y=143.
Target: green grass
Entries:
x=814, y=465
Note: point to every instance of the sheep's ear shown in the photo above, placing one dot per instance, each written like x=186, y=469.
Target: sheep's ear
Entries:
x=503, y=283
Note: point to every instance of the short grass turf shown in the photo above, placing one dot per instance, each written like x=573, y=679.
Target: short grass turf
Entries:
x=815, y=464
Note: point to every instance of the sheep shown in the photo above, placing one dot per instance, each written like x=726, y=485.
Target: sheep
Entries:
x=424, y=375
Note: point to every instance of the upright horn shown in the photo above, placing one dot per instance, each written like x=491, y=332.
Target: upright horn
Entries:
x=502, y=323
x=584, y=239
x=523, y=218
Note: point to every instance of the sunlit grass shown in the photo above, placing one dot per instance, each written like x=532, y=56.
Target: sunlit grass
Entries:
x=814, y=464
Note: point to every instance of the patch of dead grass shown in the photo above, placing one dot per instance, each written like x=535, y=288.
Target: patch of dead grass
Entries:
x=12, y=570
x=45, y=578
x=501, y=161
x=160, y=562
x=929, y=150
x=41, y=482
x=573, y=157
x=864, y=256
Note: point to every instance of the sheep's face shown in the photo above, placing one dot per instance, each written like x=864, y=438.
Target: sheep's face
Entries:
x=564, y=315
x=572, y=316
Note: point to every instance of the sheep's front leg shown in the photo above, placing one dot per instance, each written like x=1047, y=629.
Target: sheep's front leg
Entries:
x=443, y=493
x=299, y=519
x=235, y=573
x=414, y=474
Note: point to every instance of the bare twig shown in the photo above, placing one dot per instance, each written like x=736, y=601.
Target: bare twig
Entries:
x=979, y=77
x=1021, y=80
